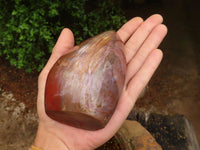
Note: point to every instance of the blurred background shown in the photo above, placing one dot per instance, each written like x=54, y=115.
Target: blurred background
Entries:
x=29, y=29
x=175, y=87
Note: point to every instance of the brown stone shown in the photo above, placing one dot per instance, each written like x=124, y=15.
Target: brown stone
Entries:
x=135, y=136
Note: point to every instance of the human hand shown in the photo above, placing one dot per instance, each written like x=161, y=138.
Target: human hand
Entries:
x=141, y=39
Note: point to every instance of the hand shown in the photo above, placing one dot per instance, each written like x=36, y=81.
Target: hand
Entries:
x=141, y=39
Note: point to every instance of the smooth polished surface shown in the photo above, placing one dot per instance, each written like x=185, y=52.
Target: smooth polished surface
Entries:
x=84, y=86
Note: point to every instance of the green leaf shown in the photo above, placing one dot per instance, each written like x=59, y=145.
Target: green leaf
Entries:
x=29, y=29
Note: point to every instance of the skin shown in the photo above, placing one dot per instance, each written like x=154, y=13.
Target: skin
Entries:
x=141, y=39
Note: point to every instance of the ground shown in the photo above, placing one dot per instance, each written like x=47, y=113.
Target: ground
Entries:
x=173, y=89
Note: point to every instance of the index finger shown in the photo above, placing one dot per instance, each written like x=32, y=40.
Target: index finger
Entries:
x=63, y=45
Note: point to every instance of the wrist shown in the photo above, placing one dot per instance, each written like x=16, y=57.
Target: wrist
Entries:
x=46, y=140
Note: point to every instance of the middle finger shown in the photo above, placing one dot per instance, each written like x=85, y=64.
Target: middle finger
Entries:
x=137, y=39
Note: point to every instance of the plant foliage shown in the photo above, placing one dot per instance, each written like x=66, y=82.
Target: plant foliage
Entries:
x=29, y=28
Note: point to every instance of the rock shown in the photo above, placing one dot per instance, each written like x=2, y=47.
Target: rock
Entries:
x=136, y=137
x=172, y=132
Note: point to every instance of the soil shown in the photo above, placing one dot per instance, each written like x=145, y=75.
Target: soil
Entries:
x=113, y=143
x=22, y=85
x=175, y=87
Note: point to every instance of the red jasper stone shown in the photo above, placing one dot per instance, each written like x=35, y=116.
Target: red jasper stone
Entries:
x=84, y=86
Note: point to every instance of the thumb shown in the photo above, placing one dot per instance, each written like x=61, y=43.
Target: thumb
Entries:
x=64, y=44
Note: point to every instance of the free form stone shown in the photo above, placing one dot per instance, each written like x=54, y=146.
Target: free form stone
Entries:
x=83, y=87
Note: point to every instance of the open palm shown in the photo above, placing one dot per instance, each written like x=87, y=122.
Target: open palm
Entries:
x=141, y=39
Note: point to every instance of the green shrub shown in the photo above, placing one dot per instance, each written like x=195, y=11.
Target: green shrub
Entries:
x=29, y=28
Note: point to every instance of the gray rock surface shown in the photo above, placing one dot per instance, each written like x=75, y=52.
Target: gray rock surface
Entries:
x=17, y=130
